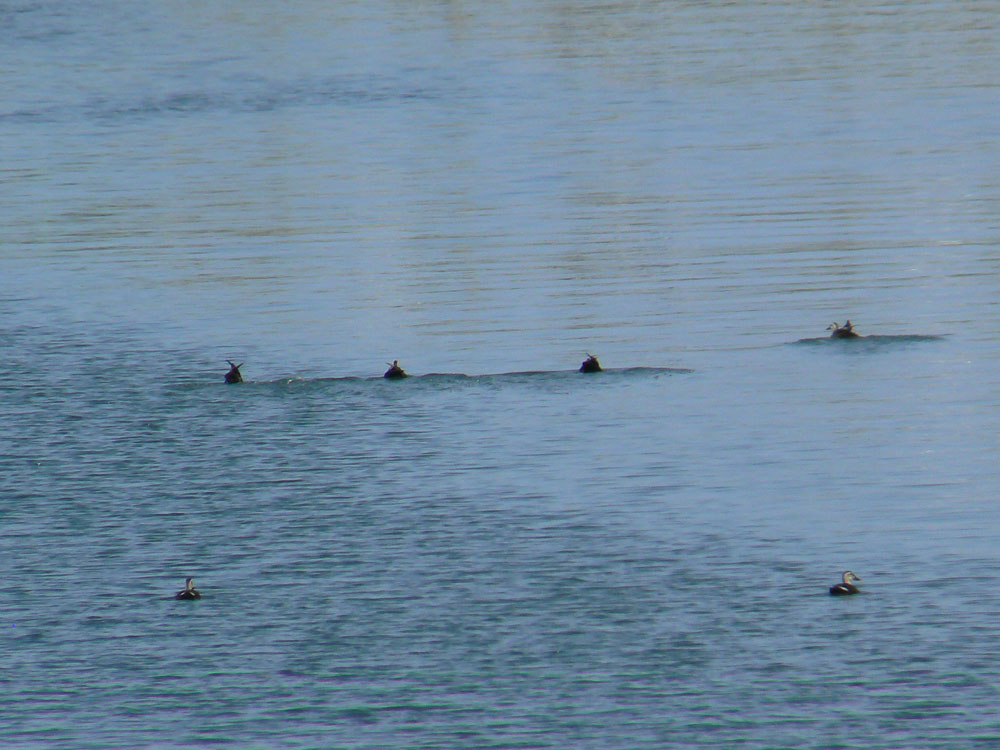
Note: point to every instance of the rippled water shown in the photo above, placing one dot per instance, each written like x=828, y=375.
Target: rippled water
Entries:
x=499, y=551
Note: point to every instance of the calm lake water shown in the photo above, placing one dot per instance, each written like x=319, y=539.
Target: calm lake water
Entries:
x=499, y=551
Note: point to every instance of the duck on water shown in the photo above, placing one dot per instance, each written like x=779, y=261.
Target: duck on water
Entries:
x=845, y=331
x=590, y=364
x=395, y=371
x=189, y=591
x=847, y=586
x=234, y=376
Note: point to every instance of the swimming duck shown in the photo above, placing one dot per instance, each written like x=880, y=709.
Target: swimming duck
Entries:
x=234, y=376
x=842, y=332
x=590, y=364
x=395, y=371
x=847, y=587
x=189, y=591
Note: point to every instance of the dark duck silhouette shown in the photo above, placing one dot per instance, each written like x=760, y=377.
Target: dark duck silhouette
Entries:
x=189, y=591
x=845, y=331
x=847, y=587
x=234, y=376
x=395, y=371
x=590, y=364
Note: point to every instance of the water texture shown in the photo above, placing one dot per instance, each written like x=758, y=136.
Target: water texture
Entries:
x=499, y=551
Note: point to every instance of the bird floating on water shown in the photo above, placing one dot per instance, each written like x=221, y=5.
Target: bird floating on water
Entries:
x=847, y=587
x=845, y=331
x=189, y=591
x=234, y=376
x=395, y=371
x=590, y=364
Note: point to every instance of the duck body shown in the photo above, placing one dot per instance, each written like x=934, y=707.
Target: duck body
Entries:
x=395, y=372
x=590, y=364
x=846, y=587
x=234, y=376
x=845, y=331
x=189, y=591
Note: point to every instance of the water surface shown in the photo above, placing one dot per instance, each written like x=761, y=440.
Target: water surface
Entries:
x=499, y=551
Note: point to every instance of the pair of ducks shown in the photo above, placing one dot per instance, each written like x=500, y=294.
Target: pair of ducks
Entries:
x=845, y=331
x=845, y=588
x=590, y=364
x=235, y=376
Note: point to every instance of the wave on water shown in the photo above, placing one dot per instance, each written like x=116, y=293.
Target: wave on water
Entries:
x=869, y=343
x=270, y=96
x=445, y=379
x=453, y=378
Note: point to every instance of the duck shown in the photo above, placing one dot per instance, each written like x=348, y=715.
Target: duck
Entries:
x=395, y=371
x=845, y=331
x=189, y=591
x=847, y=587
x=590, y=364
x=234, y=376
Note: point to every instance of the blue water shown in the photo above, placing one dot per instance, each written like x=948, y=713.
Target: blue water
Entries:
x=499, y=551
